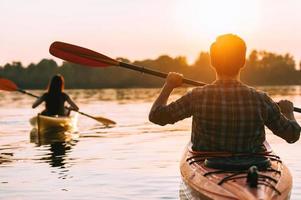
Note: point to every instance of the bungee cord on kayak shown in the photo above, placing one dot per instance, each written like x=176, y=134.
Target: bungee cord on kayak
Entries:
x=231, y=166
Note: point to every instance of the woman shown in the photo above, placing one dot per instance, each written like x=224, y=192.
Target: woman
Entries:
x=55, y=99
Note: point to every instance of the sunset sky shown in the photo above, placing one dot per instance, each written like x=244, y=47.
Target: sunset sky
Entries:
x=139, y=29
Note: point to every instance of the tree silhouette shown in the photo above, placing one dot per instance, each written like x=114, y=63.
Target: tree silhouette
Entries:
x=262, y=68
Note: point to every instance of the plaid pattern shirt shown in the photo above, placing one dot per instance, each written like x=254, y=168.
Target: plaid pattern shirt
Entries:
x=227, y=116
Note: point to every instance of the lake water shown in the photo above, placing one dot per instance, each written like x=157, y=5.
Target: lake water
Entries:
x=133, y=160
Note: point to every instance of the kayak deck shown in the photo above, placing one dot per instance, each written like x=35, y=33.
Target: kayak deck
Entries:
x=51, y=123
x=48, y=129
x=275, y=182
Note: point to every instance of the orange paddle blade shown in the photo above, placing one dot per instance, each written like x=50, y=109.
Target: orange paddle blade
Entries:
x=80, y=55
x=105, y=121
x=7, y=85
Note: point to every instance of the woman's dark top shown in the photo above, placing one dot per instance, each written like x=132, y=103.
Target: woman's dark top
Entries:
x=55, y=103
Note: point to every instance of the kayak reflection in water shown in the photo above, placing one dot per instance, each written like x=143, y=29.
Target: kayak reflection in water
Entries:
x=58, y=153
x=55, y=99
x=227, y=114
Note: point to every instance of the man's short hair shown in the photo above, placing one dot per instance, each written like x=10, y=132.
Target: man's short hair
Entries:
x=228, y=54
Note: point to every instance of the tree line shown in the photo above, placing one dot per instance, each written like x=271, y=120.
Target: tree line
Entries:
x=262, y=68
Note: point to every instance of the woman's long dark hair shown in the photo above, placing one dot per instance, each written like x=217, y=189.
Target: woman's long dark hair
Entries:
x=54, y=97
x=56, y=85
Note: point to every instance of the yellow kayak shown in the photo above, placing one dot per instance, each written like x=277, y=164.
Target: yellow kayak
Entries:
x=51, y=123
x=48, y=129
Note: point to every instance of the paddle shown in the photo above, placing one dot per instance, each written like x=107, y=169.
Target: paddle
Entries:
x=8, y=85
x=87, y=57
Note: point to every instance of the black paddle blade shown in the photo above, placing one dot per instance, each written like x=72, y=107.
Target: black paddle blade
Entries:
x=80, y=55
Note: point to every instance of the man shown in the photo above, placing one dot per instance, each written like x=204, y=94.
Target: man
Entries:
x=227, y=114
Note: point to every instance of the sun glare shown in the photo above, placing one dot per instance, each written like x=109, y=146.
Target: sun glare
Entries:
x=214, y=17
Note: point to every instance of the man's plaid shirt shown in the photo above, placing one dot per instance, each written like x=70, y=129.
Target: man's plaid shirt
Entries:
x=227, y=116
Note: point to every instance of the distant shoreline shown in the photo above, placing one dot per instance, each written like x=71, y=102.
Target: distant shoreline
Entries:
x=262, y=69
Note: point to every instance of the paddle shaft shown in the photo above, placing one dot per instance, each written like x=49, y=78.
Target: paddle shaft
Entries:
x=297, y=109
x=28, y=93
x=157, y=73
x=87, y=115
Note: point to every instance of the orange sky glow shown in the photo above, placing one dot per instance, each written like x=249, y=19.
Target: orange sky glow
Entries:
x=139, y=29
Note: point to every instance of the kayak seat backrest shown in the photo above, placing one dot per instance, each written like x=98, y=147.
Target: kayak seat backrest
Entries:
x=238, y=163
